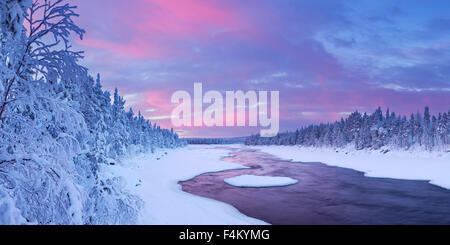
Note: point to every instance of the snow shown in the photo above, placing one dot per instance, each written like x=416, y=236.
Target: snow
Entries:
x=9, y=213
x=156, y=183
x=259, y=181
x=410, y=165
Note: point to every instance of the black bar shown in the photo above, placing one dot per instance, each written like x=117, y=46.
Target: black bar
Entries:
x=230, y=234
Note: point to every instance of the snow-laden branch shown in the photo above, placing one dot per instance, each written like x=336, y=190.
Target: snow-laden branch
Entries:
x=38, y=55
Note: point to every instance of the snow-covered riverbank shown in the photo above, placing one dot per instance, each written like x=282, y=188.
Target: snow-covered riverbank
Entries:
x=411, y=165
x=154, y=178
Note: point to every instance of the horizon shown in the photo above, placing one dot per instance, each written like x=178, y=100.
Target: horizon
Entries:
x=342, y=118
x=326, y=58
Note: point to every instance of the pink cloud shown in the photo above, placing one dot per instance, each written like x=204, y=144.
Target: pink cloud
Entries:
x=187, y=18
x=154, y=28
x=134, y=49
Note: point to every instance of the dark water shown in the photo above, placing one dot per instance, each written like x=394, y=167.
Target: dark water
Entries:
x=324, y=194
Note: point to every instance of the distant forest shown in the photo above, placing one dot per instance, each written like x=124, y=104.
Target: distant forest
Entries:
x=372, y=131
x=214, y=141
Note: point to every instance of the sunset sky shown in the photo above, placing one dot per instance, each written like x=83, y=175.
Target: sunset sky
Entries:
x=327, y=58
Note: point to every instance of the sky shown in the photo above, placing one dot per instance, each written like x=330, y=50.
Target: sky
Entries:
x=327, y=58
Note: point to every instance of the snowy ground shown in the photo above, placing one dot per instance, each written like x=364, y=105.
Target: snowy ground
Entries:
x=154, y=177
x=259, y=181
x=411, y=165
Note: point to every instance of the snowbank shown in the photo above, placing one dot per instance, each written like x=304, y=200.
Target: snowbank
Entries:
x=259, y=181
x=154, y=178
x=411, y=165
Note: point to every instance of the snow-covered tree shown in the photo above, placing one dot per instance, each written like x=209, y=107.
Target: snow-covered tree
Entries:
x=58, y=127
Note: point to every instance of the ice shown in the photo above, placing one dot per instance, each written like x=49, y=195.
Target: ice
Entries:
x=259, y=181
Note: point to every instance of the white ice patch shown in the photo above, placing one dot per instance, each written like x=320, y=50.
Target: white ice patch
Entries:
x=259, y=181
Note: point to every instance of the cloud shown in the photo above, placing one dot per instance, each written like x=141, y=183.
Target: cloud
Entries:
x=326, y=58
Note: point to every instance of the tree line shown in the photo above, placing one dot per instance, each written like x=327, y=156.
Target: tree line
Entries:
x=374, y=131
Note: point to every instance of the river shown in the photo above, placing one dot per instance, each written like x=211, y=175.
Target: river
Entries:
x=323, y=195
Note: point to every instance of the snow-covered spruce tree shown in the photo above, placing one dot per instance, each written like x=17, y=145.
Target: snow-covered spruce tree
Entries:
x=374, y=132
x=58, y=128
